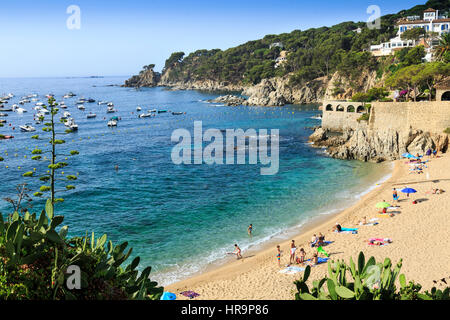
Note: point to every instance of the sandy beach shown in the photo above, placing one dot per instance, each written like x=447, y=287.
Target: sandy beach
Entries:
x=419, y=234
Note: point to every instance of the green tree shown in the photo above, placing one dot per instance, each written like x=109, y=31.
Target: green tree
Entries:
x=441, y=51
x=430, y=73
x=413, y=34
x=404, y=79
x=55, y=167
x=414, y=56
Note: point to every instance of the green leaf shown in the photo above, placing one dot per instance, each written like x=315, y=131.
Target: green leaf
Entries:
x=361, y=262
x=331, y=289
x=306, y=273
x=56, y=221
x=344, y=292
x=307, y=296
x=49, y=209
x=402, y=280
x=53, y=236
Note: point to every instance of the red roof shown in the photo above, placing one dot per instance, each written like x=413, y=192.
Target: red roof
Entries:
x=422, y=21
x=430, y=10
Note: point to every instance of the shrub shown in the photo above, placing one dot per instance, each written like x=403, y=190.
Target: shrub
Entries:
x=369, y=281
x=447, y=131
x=364, y=117
x=34, y=261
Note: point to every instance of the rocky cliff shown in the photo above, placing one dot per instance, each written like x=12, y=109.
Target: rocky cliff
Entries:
x=146, y=78
x=377, y=145
x=276, y=91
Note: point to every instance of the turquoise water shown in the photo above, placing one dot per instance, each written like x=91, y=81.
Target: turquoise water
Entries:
x=179, y=218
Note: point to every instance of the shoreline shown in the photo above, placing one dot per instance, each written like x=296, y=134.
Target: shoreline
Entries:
x=266, y=250
x=257, y=277
x=307, y=223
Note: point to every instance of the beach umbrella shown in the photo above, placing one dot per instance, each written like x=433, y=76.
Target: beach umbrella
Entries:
x=168, y=296
x=383, y=205
x=409, y=190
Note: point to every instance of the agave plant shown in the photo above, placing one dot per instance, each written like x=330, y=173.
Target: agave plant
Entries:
x=35, y=257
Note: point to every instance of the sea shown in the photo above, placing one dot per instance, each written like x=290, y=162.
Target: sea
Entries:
x=179, y=218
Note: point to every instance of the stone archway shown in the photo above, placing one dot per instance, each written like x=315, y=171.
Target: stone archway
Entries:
x=340, y=108
x=360, y=109
x=445, y=96
x=329, y=107
x=350, y=108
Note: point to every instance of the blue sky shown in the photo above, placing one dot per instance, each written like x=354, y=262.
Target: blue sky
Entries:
x=119, y=37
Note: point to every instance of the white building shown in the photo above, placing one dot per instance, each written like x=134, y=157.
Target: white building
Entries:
x=431, y=22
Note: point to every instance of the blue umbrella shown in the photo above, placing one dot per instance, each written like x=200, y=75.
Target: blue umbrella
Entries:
x=168, y=296
x=409, y=190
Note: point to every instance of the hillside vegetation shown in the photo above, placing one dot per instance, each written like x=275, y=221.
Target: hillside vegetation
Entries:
x=311, y=53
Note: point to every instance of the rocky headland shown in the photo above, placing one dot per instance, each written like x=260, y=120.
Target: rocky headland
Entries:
x=377, y=145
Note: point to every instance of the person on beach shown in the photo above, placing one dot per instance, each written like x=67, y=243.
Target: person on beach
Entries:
x=302, y=255
x=237, y=251
x=250, y=229
x=321, y=240
x=395, y=195
x=293, y=248
x=314, y=259
x=314, y=240
x=279, y=255
x=337, y=228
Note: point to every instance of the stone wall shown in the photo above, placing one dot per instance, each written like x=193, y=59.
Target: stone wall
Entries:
x=339, y=115
x=428, y=116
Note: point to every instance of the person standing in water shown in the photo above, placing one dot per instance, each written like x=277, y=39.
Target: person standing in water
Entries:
x=237, y=251
x=250, y=229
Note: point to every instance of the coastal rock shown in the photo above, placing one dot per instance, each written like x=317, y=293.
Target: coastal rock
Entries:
x=229, y=100
x=146, y=78
x=278, y=92
x=377, y=146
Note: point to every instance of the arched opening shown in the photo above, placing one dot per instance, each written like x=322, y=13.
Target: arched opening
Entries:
x=329, y=107
x=340, y=108
x=350, y=108
x=446, y=96
x=360, y=109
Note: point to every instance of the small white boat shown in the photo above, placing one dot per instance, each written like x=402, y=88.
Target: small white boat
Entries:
x=138, y=109
x=110, y=110
x=110, y=104
x=81, y=107
x=27, y=128
x=112, y=123
x=91, y=115
x=20, y=110
x=145, y=115
x=102, y=102
x=39, y=104
x=71, y=124
x=153, y=110
x=63, y=106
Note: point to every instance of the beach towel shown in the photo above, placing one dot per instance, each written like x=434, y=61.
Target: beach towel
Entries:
x=292, y=270
x=319, y=260
x=384, y=242
x=189, y=294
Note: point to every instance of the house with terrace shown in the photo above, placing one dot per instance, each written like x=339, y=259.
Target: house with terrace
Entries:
x=431, y=21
